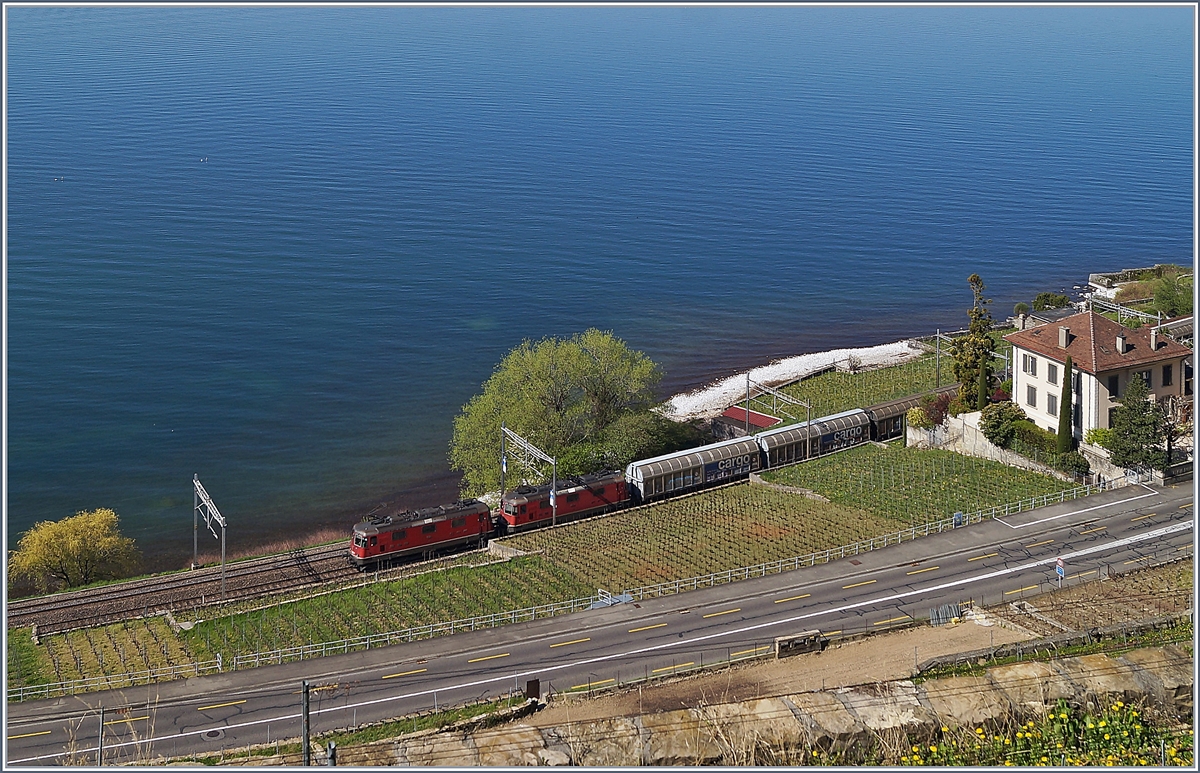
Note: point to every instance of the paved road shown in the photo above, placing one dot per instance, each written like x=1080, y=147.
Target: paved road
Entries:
x=994, y=561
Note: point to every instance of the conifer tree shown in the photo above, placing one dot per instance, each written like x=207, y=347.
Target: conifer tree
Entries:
x=1066, y=436
x=1138, y=430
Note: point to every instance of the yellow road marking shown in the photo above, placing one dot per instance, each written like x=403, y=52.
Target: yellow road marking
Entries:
x=794, y=598
x=858, y=584
x=748, y=652
x=989, y=555
x=1089, y=531
x=28, y=735
x=592, y=684
x=646, y=627
x=894, y=619
x=221, y=705
x=130, y=719
x=407, y=673
x=831, y=633
x=1184, y=507
x=573, y=641
x=726, y=612
x=1081, y=574
x=1138, y=560
x=930, y=569
x=488, y=657
x=1140, y=517
x=1039, y=544
x=1018, y=590
x=1183, y=547
x=672, y=668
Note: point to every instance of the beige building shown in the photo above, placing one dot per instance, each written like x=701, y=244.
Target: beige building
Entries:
x=1105, y=356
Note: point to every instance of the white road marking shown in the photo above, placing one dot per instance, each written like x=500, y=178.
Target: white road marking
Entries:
x=1077, y=512
x=507, y=678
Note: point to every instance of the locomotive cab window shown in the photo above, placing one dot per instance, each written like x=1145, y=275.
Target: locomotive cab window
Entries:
x=360, y=541
x=429, y=528
x=572, y=497
x=398, y=535
x=457, y=523
x=374, y=540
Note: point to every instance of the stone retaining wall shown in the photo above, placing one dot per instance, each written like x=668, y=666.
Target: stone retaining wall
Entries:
x=777, y=728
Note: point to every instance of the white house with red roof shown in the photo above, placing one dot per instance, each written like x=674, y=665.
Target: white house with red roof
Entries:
x=1105, y=355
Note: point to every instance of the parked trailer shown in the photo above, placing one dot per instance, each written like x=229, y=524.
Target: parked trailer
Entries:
x=692, y=469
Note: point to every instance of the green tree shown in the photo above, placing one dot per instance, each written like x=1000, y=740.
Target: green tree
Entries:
x=1138, y=430
x=563, y=395
x=1046, y=301
x=984, y=380
x=1066, y=435
x=997, y=422
x=77, y=550
x=1021, y=308
x=973, y=351
x=1173, y=295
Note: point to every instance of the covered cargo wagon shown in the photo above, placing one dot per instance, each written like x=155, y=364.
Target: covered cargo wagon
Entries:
x=887, y=419
x=796, y=442
x=694, y=468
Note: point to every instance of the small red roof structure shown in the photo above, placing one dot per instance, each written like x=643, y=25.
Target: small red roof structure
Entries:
x=760, y=420
x=1091, y=340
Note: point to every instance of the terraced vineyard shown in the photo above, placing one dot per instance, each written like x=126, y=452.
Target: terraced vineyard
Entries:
x=728, y=528
x=119, y=648
x=914, y=485
x=834, y=391
x=389, y=606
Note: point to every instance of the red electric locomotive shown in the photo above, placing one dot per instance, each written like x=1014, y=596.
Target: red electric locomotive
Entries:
x=426, y=531
x=528, y=507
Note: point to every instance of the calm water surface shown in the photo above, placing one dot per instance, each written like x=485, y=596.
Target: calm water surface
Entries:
x=281, y=247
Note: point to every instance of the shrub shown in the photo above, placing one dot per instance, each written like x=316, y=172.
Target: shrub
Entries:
x=1100, y=437
x=936, y=407
x=1021, y=308
x=1045, y=301
x=1034, y=436
x=1072, y=462
x=917, y=417
x=998, y=422
x=957, y=406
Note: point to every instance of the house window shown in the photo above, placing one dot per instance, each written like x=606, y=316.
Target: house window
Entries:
x=1029, y=364
x=1113, y=380
x=1051, y=404
x=1031, y=396
x=1168, y=376
x=1052, y=373
x=1145, y=376
x=1077, y=384
x=1077, y=415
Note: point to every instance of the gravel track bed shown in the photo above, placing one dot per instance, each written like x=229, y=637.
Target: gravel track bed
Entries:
x=243, y=580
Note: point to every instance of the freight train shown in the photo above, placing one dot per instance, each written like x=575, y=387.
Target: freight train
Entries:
x=470, y=522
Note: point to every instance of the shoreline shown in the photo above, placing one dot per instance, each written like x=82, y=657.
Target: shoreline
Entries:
x=700, y=403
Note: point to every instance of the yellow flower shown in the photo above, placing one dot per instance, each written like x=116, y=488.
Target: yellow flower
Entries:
x=1020, y=734
x=1120, y=705
x=1029, y=724
x=979, y=730
x=916, y=749
x=1125, y=734
x=1106, y=736
x=933, y=749
x=945, y=729
x=1103, y=723
x=1008, y=740
x=1063, y=715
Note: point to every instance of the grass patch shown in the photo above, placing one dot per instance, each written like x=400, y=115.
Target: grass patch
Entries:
x=27, y=663
x=727, y=528
x=914, y=485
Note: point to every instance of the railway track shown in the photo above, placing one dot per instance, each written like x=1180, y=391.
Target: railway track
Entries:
x=184, y=590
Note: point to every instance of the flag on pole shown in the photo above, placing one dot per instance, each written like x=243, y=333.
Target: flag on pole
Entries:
x=504, y=464
x=552, y=496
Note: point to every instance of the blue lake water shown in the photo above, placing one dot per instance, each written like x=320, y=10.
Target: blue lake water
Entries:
x=392, y=198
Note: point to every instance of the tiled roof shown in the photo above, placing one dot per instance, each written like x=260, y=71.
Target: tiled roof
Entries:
x=1093, y=343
